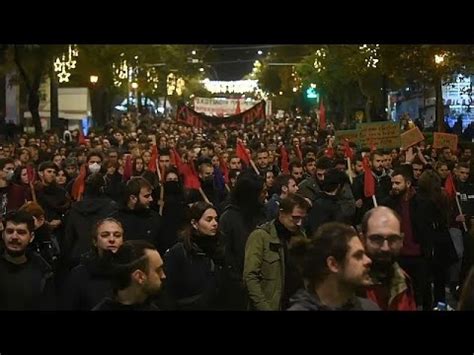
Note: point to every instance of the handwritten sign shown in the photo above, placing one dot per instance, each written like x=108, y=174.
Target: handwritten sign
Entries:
x=380, y=134
x=441, y=140
x=352, y=135
x=411, y=137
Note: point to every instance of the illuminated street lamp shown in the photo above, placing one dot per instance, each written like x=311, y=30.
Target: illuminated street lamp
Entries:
x=94, y=79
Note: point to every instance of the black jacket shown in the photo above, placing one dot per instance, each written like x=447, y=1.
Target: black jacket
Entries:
x=306, y=301
x=235, y=229
x=141, y=224
x=326, y=208
x=44, y=245
x=28, y=286
x=174, y=217
x=109, y=304
x=193, y=277
x=80, y=221
x=383, y=185
x=114, y=187
x=54, y=201
x=88, y=283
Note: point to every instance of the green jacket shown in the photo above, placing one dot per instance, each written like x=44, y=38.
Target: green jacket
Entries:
x=264, y=267
x=309, y=188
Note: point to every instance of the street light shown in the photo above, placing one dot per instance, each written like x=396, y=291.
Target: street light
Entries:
x=259, y=52
x=201, y=69
x=439, y=58
x=94, y=79
x=134, y=86
x=193, y=52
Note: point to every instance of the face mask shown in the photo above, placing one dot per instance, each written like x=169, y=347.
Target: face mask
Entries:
x=94, y=168
x=9, y=176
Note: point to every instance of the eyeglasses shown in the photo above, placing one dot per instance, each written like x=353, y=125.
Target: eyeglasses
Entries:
x=379, y=240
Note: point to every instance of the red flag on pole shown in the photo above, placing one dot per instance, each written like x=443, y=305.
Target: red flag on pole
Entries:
x=348, y=152
x=127, y=169
x=330, y=152
x=298, y=153
x=284, y=160
x=369, y=180
x=82, y=139
x=224, y=169
x=154, y=157
x=322, y=115
x=79, y=184
x=30, y=171
x=241, y=152
x=449, y=187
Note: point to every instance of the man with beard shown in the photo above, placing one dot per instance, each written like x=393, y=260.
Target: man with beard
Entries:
x=138, y=220
x=412, y=259
x=296, y=171
x=311, y=186
x=137, y=277
x=391, y=287
x=335, y=265
x=285, y=185
x=26, y=279
x=382, y=186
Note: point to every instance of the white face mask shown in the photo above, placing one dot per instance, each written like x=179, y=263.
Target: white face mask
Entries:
x=94, y=168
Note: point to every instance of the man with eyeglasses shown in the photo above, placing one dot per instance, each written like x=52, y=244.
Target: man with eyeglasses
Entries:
x=391, y=287
x=271, y=274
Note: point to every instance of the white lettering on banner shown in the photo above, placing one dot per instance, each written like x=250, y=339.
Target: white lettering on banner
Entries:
x=226, y=107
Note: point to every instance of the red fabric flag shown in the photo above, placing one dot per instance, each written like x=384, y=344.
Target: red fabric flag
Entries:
x=322, y=115
x=31, y=174
x=79, y=184
x=284, y=162
x=348, y=152
x=369, y=180
x=175, y=158
x=224, y=169
x=127, y=169
x=241, y=152
x=190, y=176
x=449, y=187
x=330, y=152
x=237, y=109
x=82, y=139
x=298, y=153
x=154, y=159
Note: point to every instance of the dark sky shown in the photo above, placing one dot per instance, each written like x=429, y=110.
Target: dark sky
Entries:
x=232, y=62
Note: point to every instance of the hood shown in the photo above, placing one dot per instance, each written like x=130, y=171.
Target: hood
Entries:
x=90, y=206
x=302, y=300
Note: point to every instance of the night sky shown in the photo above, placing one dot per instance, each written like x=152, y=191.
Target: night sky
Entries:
x=232, y=62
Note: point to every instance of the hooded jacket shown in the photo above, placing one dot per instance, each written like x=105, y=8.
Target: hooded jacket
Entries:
x=303, y=300
x=81, y=219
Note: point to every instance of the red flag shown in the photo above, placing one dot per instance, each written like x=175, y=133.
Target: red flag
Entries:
x=369, y=180
x=79, y=184
x=329, y=152
x=82, y=139
x=224, y=169
x=298, y=153
x=322, y=115
x=241, y=152
x=153, y=160
x=127, y=169
x=348, y=152
x=284, y=160
x=449, y=186
x=237, y=109
x=190, y=176
x=31, y=174
x=175, y=158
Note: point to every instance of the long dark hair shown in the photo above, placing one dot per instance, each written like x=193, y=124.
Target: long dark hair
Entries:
x=195, y=213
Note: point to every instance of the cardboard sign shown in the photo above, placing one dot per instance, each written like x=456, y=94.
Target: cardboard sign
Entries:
x=352, y=135
x=381, y=134
x=411, y=137
x=441, y=140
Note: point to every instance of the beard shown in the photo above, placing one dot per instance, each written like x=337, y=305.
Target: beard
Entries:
x=15, y=253
x=398, y=192
x=382, y=266
x=140, y=206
